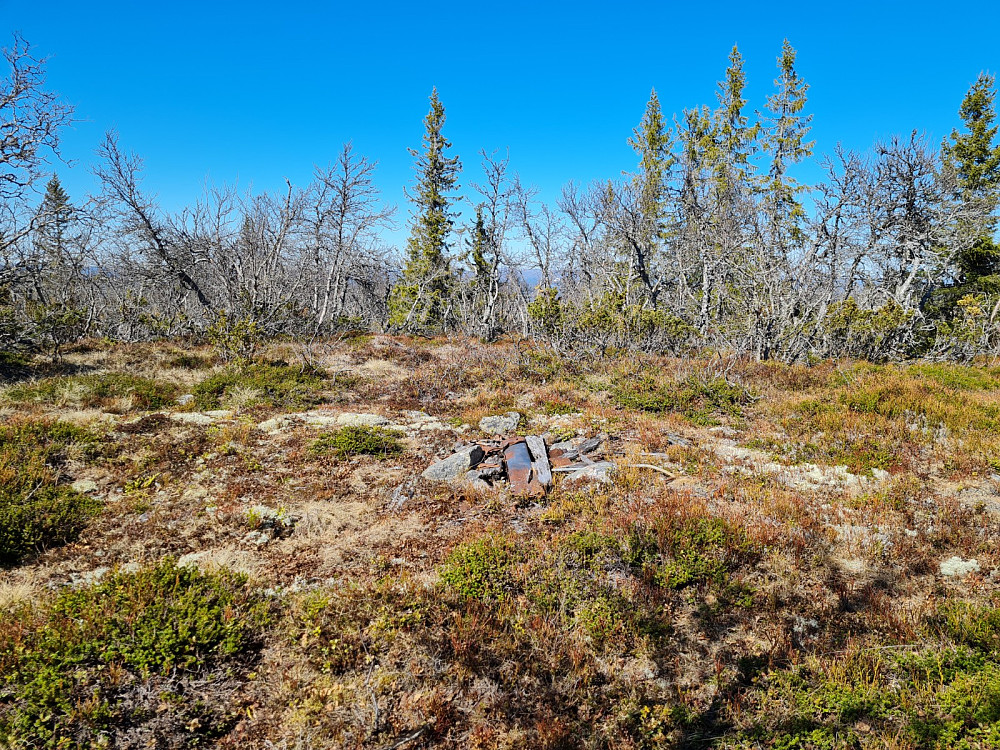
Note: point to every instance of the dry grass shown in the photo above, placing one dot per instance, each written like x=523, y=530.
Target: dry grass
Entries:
x=650, y=612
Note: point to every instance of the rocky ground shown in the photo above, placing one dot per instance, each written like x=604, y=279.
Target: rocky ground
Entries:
x=331, y=549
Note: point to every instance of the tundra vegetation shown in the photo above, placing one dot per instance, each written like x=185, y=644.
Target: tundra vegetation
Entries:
x=212, y=527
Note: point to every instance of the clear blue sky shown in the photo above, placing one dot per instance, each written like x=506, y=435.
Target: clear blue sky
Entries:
x=256, y=92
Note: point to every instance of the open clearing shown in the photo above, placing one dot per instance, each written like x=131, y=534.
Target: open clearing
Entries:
x=197, y=554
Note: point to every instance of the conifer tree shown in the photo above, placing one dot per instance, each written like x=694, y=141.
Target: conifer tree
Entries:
x=419, y=302
x=53, y=221
x=975, y=157
x=639, y=212
x=785, y=142
x=651, y=142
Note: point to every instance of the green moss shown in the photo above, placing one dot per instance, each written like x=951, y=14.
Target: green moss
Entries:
x=357, y=440
x=78, y=668
x=275, y=384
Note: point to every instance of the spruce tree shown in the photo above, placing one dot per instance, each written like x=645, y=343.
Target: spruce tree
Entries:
x=419, y=302
x=651, y=142
x=786, y=145
x=54, y=221
x=975, y=158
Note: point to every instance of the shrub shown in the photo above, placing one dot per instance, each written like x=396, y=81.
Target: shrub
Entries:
x=697, y=399
x=356, y=440
x=87, y=665
x=96, y=391
x=36, y=511
x=481, y=569
x=676, y=554
x=274, y=384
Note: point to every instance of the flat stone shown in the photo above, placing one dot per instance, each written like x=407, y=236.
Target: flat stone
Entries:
x=957, y=567
x=539, y=460
x=565, y=449
x=600, y=472
x=84, y=486
x=500, y=424
x=192, y=418
x=590, y=445
x=454, y=466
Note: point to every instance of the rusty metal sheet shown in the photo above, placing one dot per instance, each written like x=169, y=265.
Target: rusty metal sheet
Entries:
x=540, y=460
x=518, y=461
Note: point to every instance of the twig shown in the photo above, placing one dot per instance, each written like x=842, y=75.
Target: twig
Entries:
x=403, y=740
x=653, y=468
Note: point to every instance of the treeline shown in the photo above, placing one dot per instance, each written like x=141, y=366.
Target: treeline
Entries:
x=712, y=243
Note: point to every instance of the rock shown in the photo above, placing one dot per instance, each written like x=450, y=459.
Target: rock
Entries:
x=454, y=466
x=540, y=460
x=601, y=472
x=186, y=399
x=498, y=425
x=257, y=538
x=192, y=418
x=403, y=494
x=475, y=480
x=566, y=450
x=89, y=577
x=84, y=486
x=590, y=445
x=880, y=475
x=219, y=414
x=956, y=567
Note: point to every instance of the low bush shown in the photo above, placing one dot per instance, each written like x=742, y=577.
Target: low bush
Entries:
x=116, y=391
x=272, y=384
x=97, y=664
x=37, y=510
x=697, y=399
x=358, y=440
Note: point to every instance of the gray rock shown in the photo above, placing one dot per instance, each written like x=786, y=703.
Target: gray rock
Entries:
x=475, y=480
x=192, y=418
x=454, y=466
x=590, y=445
x=498, y=425
x=219, y=414
x=490, y=473
x=257, y=538
x=601, y=472
x=84, y=486
x=956, y=567
x=880, y=475
x=186, y=399
x=403, y=494
x=568, y=450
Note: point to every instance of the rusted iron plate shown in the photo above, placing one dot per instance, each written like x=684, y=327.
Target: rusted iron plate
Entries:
x=540, y=460
x=518, y=461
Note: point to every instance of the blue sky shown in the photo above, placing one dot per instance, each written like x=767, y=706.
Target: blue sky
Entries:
x=258, y=92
